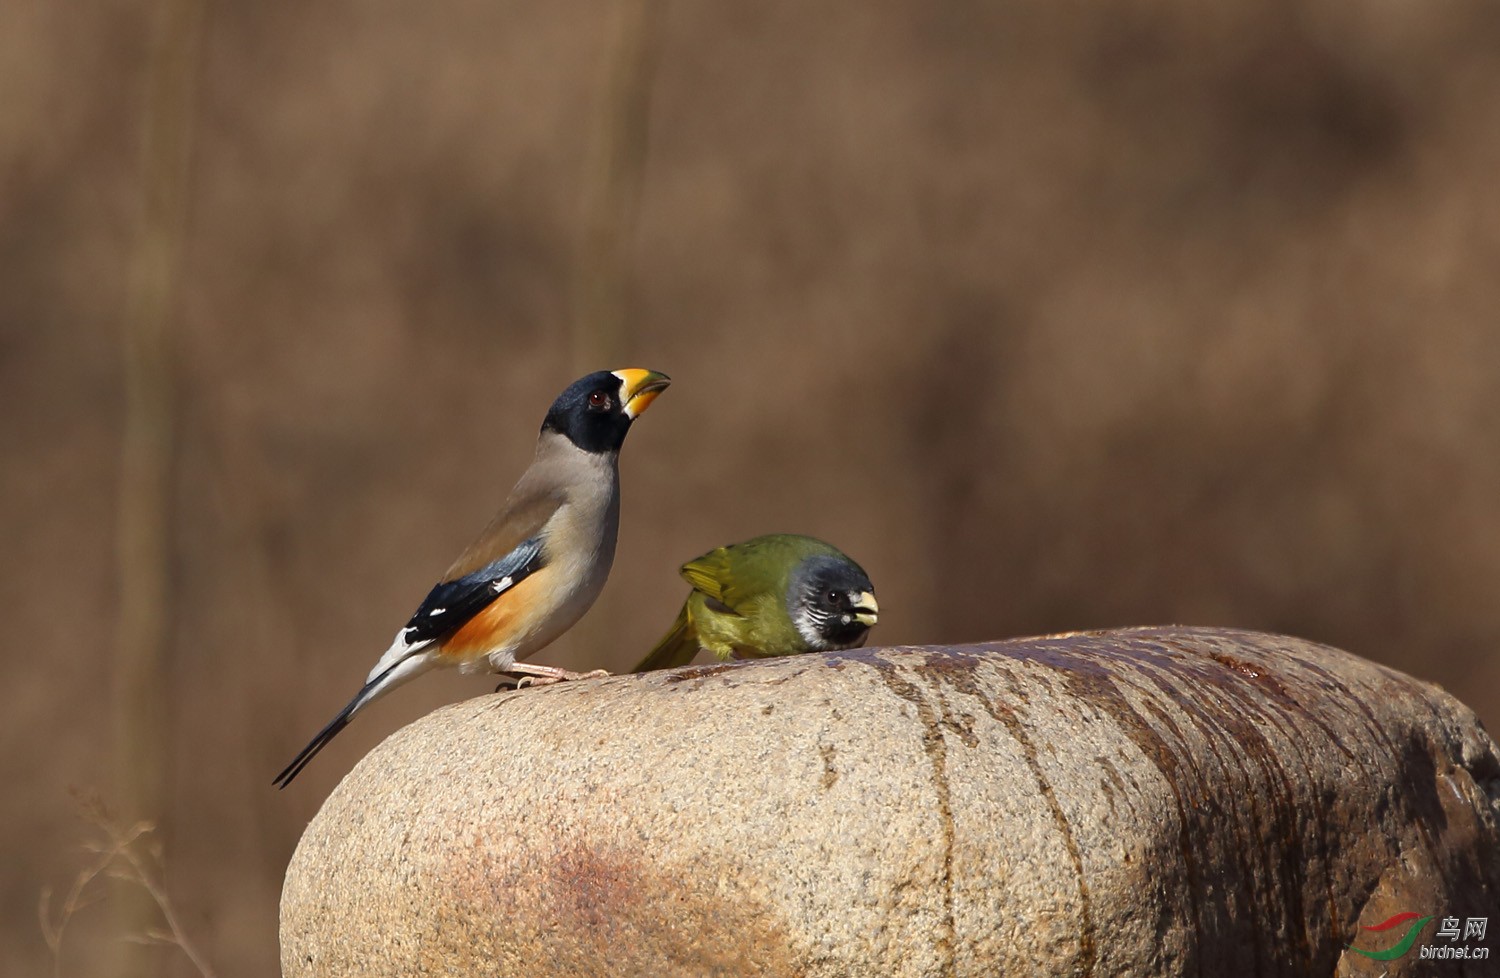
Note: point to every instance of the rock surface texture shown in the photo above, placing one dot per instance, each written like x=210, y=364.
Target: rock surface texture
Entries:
x=1165, y=801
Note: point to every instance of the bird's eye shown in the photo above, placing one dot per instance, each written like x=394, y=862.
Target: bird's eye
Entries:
x=598, y=401
x=833, y=597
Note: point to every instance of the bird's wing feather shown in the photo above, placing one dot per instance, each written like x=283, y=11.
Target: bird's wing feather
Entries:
x=710, y=574
x=509, y=549
x=451, y=604
x=521, y=518
x=739, y=576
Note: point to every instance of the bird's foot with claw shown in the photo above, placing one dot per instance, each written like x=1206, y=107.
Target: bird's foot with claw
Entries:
x=523, y=674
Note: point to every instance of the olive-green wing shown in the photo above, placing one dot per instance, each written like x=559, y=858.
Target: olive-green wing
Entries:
x=738, y=575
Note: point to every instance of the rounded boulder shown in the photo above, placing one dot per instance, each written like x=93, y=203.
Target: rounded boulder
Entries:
x=1154, y=802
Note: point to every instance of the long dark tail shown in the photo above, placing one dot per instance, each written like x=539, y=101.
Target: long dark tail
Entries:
x=676, y=648
x=331, y=731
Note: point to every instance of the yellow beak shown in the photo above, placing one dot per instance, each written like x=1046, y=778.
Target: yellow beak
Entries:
x=638, y=388
x=866, y=609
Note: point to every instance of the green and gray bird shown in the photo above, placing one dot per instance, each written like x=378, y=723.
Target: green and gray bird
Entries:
x=780, y=594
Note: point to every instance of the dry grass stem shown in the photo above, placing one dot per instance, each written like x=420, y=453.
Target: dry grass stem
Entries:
x=126, y=854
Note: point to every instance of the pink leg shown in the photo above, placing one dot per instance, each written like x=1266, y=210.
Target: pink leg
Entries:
x=535, y=674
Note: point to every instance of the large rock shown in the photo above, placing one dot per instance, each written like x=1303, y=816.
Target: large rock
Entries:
x=1141, y=802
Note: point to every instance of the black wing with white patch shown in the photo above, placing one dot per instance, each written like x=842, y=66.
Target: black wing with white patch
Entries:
x=449, y=605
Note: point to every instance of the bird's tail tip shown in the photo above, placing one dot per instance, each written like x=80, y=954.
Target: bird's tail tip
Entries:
x=315, y=745
x=676, y=648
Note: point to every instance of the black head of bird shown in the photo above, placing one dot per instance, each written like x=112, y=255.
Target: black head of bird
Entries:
x=595, y=412
x=832, y=603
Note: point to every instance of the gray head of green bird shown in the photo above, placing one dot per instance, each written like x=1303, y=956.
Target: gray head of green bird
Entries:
x=832, y=603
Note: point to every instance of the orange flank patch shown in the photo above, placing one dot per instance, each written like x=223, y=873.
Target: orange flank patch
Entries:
x=494, y=627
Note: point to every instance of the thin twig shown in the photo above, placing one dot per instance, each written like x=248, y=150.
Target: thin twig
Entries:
x=119, y=857
x=142, y=876
x=78, y=896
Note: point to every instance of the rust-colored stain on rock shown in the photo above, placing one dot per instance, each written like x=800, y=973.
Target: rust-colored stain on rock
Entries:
x=539, y=905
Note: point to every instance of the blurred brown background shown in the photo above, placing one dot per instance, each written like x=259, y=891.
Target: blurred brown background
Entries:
x=1054, y=316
